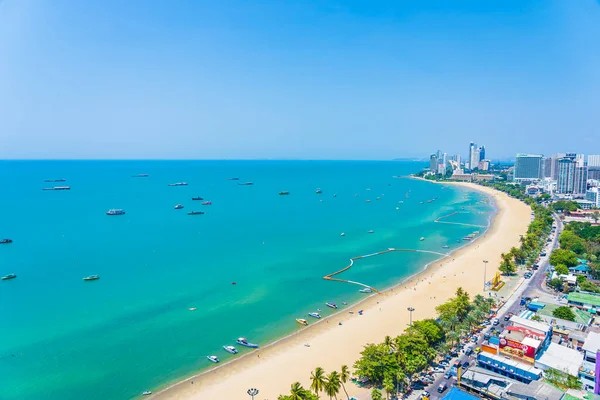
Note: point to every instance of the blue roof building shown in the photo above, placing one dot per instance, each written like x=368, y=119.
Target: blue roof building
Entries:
x=457, y=394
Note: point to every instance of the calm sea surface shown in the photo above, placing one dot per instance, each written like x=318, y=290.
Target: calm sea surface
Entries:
x=131, y=330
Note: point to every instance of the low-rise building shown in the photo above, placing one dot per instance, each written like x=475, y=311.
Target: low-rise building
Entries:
x=585, y=301
x=560, y=358
x=590, y=368
x=518, y=371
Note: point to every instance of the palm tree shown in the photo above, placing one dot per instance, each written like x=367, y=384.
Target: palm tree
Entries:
x=376, y=394
x=318, y=380
x=332, y=385
x=344, y=377
x=389, y=343
x=297, y=392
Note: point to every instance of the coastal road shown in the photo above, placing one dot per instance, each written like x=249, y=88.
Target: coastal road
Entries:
x=527, y=287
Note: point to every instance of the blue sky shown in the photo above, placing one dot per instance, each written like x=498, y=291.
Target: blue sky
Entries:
x=297, y=78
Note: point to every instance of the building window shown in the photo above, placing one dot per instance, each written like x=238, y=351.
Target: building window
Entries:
x=591, y=359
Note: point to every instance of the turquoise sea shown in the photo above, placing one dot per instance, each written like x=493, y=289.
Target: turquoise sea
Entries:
x=131, y=330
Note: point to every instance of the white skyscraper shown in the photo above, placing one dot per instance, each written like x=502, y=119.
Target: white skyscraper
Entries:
x=594, y=161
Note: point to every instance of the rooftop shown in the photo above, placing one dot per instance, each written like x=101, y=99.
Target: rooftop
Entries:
x=584, y=298
x=592, y=342
x=457, y=394
x=561, y=358
x=539, y=326
x=581, y=317
x=536, y=390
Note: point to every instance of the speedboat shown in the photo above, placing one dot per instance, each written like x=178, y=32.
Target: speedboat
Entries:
x=61, y=188
x=179, y=206
x=147, y=393
x=377, y=198
x=214, y=359
x=115, y=211
x=206, y=203
x=422, y=238
x=314, y=315
x=284, y=193
x=55, y=180
x=246, y=184
x=233, y=179
x=302, y=321
x=366, y=290
x=368, y=201
x=140, y=176
x=332, y=305
x=422, y=203
x=6, y=241
x=196, y=213
x=197, y=198
x=192, y=308
x=230, y=349
x=342, y=234
x=178, y=184
x=9, y=276
x=91, y=278
x=318, y=191
x=445, y=246
x=370, y=231
x=243, y=342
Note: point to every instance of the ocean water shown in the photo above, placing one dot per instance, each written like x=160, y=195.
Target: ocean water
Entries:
x=131, y=330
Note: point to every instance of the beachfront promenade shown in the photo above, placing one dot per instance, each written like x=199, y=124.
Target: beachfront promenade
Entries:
x=330, y=277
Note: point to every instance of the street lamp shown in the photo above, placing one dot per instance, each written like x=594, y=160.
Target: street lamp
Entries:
x=252, y=392
x=410, y=310
x=484, y=273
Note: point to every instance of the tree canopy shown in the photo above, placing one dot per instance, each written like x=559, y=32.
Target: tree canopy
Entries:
x=564, y=312
x=565, y=257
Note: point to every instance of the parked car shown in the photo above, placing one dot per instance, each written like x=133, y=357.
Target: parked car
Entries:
x=543, y=254
x=465, y=365
x=443, y=364
x=454, y=353
x=495, y=321
x=448, y=375
x=426, y=394
x=442, y=387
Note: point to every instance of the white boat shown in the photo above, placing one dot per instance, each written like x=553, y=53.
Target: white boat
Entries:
x=342, y=234
x=314, y=315
x=214, y=359
x=178, y=206
x=445, y=246
x=332, y=305
x=302, y=321
x=192, y=308
x=366, y=290
x=230, y=349
x=370, y=231
x=147, y=393
x=422, y=238
x=242, y=341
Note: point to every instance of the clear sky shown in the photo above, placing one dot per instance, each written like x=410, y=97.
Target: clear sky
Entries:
x=297, y=78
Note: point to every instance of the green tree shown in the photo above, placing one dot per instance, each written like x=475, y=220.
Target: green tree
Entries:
x=345, y=377
x=507, y=267
x=297, y=392
x=375, y=359
x=587, y=286
x=564, y=312
x=318, y=379
x=596, y=216
x=564, y=257
x=429, y=329
x=570, y=241
x=376, y=394
x=388, y=385
x=332, y=384
x=562, y=379
x=561, y=269
x=519, y=255
x=537, y=318
x=556, y=284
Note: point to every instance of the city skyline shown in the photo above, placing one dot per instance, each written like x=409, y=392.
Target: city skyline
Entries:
x=309, y=80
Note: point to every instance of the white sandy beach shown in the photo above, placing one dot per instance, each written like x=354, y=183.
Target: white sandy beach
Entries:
x=272, y=369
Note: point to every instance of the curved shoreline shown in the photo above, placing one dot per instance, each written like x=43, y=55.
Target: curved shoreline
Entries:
x=181, y=388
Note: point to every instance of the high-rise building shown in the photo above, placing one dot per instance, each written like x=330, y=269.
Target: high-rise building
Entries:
x=445, y=159
x=580, y=159
x=593, y=195
x=593, y=160
x=528, y=166
x=547, y=167
x=566, y=174
x=473, y=156
x=554, y=167
x=580, y=180
x=594, y=173
x=481, y=153
x=433, y=162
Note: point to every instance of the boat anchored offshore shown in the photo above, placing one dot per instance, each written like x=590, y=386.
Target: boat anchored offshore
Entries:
x=366, y=290
x=230, y=349
x=140, y=176
x=302, y=321
x=370, y=231
x=115, y=211
x=146, y=393
x=318, y=191
x=332, y=305
x=314, y=315
x=196, y=213
x=422, y=238
x=284, y=193
x=6, y=241
x=243, y=342
x=197, y=198
x=233, y=179
x=9, y=276
x=214, y=359
x=179, y=206
x=91, y=278
x=246, y=184
x=178, y=184
x=207, y=203
x=445, y=246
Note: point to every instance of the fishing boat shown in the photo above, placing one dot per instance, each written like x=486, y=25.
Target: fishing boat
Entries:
x=178, y=206
x=55, y=180
x=146, y=393
x=243, y=342
x=302, y=321
x=91, y=278
x=318, y=191
x=233, y=179
x=9, y=276
x=207, y=203
x=366, y=290
x=178, y=184
x=196, y=213
x=214, y=359
x=230, y=349
x=422, y=238
x=284, y=193
x=314, y=315
x=332, y=305
x=115, y=211
x=197, y=198
x=140, y=176
x=6, y=241
x=246, y=184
